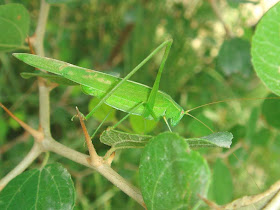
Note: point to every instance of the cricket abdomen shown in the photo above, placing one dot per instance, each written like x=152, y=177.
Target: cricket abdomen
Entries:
x=129, y=95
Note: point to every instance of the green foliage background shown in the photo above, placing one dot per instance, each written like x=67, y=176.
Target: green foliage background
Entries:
x=204, y=65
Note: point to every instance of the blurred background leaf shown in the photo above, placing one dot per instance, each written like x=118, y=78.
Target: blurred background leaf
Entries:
x=15, y=21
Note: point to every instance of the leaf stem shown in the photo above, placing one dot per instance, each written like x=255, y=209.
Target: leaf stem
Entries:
x=46, y=158
x=94, y=158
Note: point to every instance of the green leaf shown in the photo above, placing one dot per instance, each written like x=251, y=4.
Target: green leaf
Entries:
x=271, y=111
x=234, y=57
x=222, y=186
x=48, y=188
x=171, y=175
x=141, y=125
x=14, y=26
x=53, y=78
x=219, y=139
x=266, y=49
x=121, y=140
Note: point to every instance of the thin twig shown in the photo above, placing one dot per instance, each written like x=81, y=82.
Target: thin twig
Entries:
x=41, y=28
x=125, y=33
x=36, y=134
x=94, y=158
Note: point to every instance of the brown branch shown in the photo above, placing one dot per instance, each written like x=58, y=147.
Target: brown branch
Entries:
x=94, y=158
x=121, y=41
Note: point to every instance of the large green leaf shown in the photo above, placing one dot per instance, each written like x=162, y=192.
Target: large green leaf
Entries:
x=14, y=26
x=266, y=49
x=48, y=188
x=171, y=175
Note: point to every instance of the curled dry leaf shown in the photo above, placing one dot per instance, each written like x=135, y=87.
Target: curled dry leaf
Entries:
x=265, y=200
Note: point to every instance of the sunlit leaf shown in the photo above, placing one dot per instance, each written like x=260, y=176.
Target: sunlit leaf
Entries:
x=171, y=175
x=266, y=49
x=219, y=139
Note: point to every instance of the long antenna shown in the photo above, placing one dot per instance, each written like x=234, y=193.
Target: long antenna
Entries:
x=234, y=99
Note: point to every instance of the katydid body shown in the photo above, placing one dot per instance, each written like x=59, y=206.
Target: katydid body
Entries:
x=119, y=93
